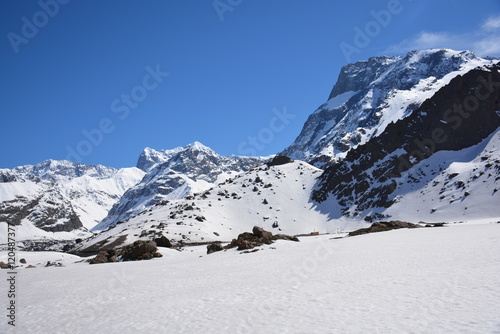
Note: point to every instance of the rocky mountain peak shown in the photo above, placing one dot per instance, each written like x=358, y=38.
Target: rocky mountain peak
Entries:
x=371, y=94
x=174, y=174
x=150, y=158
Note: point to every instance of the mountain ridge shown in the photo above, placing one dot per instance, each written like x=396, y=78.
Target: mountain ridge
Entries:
x=371, y=94
x=174, y=174
x=377, y=142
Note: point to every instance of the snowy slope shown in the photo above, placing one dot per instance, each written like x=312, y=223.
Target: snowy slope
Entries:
x=428, y=280
x=60, y=199
x=409, y=173
x=93, y=198
x=452, y=186
x=174, y=174
x=371, y=94
x=263, y=196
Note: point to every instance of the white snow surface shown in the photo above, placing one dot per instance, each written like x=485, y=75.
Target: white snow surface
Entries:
x=427, y=280
x=339, y=100
x=452, y=185
x=90, y=191
x=262, y=196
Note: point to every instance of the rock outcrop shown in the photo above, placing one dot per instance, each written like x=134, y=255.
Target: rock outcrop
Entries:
x=383, y=226
x=247, y=240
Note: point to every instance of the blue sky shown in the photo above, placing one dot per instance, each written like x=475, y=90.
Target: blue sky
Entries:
x=98, y=81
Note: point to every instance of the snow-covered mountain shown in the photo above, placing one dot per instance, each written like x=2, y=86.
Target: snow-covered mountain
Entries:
x=413, y=138
x=174, y=174
x=276, y=198
x=404, y=109
x=60, y=199
x=371, y=94
x=440, y=163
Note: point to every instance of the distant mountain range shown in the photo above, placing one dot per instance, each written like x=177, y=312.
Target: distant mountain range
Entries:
x=411, y=138
x=60, y=199
x=174, y=174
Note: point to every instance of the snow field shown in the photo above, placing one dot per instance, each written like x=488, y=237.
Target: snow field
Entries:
x=429, y=280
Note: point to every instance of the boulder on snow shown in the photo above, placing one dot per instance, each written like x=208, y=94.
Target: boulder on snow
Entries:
x=140, y=250
x=214, y=247
x=258, y=237
x=383, y=226
x=4, y=265
x=101, y=257
x=285, y=237
x=163, y=241
x=104, y=256
x=261, y=233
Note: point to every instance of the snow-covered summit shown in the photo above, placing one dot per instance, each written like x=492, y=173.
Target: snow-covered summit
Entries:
x=371, y=94
x=57, y=170
x=274, y=197
x=411, y=151
x=151, y=158
x=60, y=199
x=174, y=174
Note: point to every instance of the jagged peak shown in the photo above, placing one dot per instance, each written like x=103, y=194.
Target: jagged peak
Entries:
x=370, y=94
x=150, y=158
x=362, y=73
x=198, y=146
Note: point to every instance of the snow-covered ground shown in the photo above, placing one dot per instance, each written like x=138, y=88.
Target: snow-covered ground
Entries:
x=263, y=196
x=428, y=280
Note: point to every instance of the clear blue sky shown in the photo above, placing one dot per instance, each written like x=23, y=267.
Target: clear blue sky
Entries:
x=86, y=68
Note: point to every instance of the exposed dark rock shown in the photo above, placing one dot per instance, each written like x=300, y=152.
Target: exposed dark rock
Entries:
x=279, y=160
x=434, y=225
x=53, y=264
x=98, y=246
x=285, y=237
x=104, y=257
x=215, y=247
x=23, y=261
x=261, y=233
x=258, y=237
x=383, y=226
x=4, y=265
x=163, y=242
x=342, y=127
x=139, y=250
x=440, y=123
